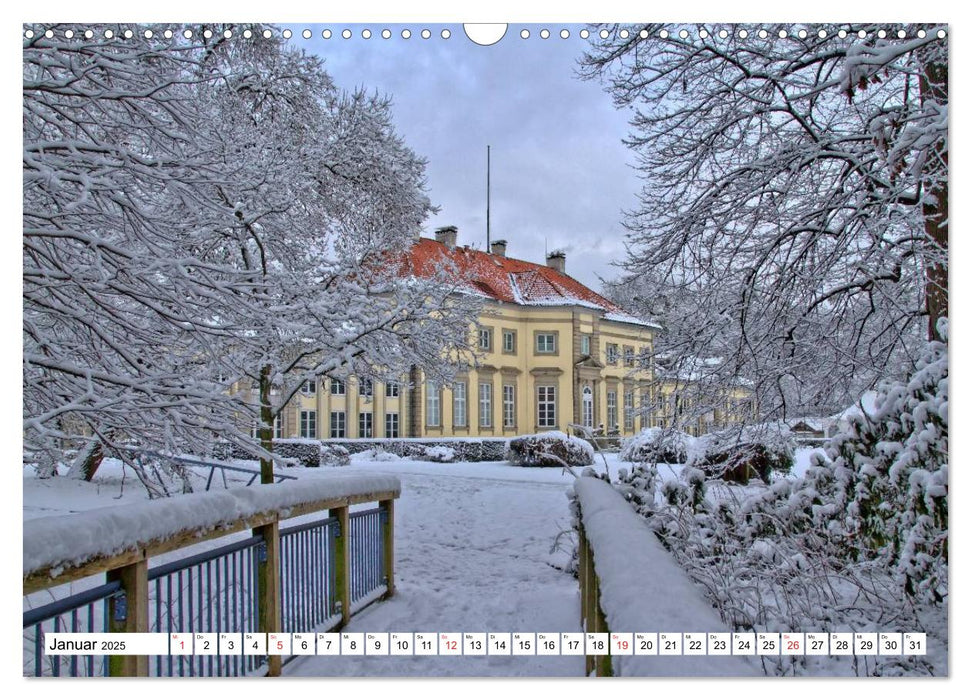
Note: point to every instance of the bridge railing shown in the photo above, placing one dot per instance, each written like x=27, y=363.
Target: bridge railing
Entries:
x=629, y=583
x=305, y=577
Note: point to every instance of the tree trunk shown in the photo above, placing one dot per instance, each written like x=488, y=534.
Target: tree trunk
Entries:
x=88, y=460
x=266, y=426
x=933, y=86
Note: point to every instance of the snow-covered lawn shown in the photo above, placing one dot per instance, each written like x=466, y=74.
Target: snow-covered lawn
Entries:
x=472, y=554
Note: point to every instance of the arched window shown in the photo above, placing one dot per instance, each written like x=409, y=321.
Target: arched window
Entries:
x=587, y=407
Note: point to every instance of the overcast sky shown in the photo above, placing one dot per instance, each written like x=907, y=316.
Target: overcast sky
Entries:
x=560, y=174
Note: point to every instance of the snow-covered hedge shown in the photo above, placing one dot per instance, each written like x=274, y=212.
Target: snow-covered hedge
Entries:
x=658, y=445
x=291, y=451
x=546, y=449
x=429, y=449
x=741, y=454
x=68, y=540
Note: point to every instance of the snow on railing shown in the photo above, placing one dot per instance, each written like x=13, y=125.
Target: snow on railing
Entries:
x=57, y=543
x=118, y=543
x=629, y=583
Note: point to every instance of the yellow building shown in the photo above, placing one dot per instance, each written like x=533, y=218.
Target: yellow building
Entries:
x=691, y=398
x=550, y=352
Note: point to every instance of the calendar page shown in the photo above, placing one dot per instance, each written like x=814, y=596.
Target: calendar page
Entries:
x=529, y=349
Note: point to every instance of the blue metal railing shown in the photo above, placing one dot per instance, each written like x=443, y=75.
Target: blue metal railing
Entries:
x=367, y=554
x=86, y=612
x=217, y=591
x=214, y=591
x=307, y=577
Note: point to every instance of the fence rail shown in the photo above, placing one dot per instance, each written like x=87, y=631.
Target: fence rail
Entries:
x=305, y=577
x=212, y=465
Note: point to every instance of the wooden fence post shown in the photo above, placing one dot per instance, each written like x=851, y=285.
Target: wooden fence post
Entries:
x=268, y=577
x=342, y=563
x=129, y=614
x=387, y=538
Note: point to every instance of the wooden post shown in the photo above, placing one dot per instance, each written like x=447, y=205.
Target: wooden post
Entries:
x=129, y=615
x=604, y=665
x=342, y=563
x=588, y=600
x=268, y=577
x=387, y=538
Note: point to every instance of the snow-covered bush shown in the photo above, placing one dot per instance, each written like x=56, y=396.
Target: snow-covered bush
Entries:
x=376, y=454
x=881, y=490
x=439, y=453
x=862, y=539
x=658, y=445
x=741, y=454
x=334, y=456
x=547, y=449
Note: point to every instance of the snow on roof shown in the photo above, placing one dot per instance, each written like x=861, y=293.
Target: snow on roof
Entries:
x=70, y=540
x=819, y=423
x=513, y=281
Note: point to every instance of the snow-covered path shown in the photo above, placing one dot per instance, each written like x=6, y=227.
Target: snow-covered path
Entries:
x=472, y=551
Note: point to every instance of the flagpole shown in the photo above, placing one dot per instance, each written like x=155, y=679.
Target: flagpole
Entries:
x=488, y=230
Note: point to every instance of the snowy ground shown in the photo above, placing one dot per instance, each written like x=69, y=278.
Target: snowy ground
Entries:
x=473, y=554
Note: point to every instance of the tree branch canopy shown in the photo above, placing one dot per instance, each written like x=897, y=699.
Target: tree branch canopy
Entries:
x=793, y=213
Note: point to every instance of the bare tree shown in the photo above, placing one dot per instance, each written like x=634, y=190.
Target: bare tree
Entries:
x=200, y=212
x=794, y=196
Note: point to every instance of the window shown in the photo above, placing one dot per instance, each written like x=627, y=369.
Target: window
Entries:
x=546, y=406
x=485, y=405
x=628, y=410
x=587, y=405
x=391, y=425
x=366, y=386
x=643, y=359
x=338, y=424
x=433, y=405
x=337, y=387
x=628, y=356
x=545, y=343
x=485, y=339
x=508, y=406
x=309, y=387
x=460, y=412
x=509, y=341
x=308, y=424
x=611, y=354
x=584, y=344
x=365, y=425
x=611, y=410
x=391, y=390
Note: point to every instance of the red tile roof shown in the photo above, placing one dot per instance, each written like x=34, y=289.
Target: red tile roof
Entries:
x=512, y=281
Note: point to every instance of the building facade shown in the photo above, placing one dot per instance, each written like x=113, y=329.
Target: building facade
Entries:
x=550, y=353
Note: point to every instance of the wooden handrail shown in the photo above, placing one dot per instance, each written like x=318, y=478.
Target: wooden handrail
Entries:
x=41, y=578
x=130, y=568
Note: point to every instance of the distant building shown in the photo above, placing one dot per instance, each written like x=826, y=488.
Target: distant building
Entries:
x=692, y=398
x=552, y=352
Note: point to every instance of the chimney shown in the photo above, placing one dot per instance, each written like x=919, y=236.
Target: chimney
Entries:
x=499, y=248
x=557, y=260
x=446, y=235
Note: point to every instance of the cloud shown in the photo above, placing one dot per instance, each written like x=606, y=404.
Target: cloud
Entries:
x=560, y=174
